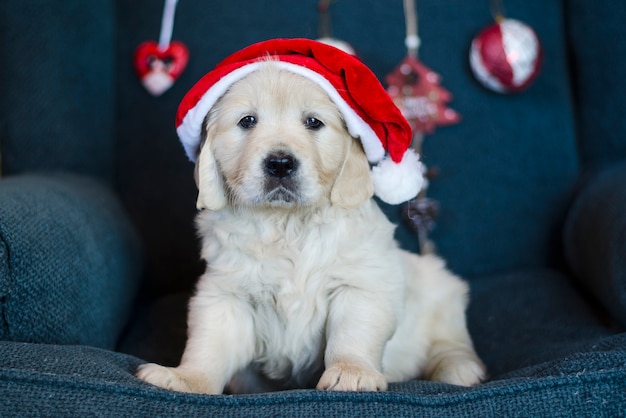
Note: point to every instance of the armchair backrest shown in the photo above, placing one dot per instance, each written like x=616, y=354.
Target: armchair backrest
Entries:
x=71, y=100
x=57, y=84
x=597, y=44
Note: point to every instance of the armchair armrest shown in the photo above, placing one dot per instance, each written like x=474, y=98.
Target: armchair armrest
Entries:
x=69, y=261
x=595, y=238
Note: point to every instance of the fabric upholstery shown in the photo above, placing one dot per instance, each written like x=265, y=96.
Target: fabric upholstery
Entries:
x=522, y=319
x=598, y=50
x=69, y=263
x=595, y=238
x=57, y=84
x=571, y=366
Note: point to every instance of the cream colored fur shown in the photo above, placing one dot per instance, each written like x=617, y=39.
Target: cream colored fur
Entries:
x=304, y=282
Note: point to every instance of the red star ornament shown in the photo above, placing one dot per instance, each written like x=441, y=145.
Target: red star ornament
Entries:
x=415, y=89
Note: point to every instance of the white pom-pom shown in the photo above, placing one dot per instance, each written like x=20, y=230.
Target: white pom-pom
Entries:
x=394, y=182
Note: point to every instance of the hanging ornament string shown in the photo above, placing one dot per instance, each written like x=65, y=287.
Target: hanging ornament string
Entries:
x=417, y=92
x=412, y=40
x=325, y=28
x=412, y=43
x=497, y=10
x=160, y=64
x=506, y=56
x=167, y=24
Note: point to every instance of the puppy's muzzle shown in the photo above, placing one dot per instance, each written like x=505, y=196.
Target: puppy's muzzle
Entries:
x=281, y=170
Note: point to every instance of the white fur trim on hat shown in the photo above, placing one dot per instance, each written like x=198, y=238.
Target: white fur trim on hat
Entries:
x=395, y=183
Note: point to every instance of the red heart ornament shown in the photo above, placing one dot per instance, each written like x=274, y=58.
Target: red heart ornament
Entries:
x=159, y=68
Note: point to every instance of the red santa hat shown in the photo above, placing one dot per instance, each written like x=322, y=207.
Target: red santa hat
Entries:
x=368, y=111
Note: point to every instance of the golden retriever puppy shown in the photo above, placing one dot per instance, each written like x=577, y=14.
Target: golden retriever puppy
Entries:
x=305, y=285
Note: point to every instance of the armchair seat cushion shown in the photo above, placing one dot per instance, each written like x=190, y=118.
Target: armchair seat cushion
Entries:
x=525, y=318
x=69, y=261
x=548, y=355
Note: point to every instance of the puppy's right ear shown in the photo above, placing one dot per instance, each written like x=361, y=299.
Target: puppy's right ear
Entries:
x=211, y=194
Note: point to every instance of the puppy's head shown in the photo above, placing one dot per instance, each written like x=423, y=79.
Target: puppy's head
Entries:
x=275, y=139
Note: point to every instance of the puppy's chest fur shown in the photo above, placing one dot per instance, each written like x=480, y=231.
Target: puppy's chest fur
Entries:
x=288, y=267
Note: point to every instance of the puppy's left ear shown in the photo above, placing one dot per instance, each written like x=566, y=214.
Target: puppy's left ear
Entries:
x=353, y=186
x=211, y=194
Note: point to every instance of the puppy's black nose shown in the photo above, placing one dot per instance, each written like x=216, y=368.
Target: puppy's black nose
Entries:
x=280, y=165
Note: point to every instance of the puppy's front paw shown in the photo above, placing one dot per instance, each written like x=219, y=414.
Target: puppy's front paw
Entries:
x=345, y=376
x=459, y=370
x=175, y=379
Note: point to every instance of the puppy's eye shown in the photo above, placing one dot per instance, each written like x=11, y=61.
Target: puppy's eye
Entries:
x=247, y=122
x=313, y=123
